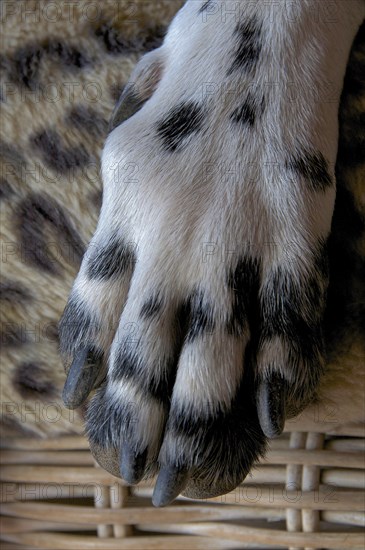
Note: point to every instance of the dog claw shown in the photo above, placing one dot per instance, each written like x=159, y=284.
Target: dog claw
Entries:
x=170, y=483
x=132, y=464
x=80, y=379
x=271, y=405
x=128, y=104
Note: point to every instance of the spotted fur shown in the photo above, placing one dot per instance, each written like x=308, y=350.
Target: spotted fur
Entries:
x=248, y=49
x=182, y=121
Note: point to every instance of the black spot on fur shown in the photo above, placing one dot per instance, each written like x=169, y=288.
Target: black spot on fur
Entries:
x=68, y=55
x=24, y=66
x=31, y=381
x=76, y=327
x=14, y=292
x=38, y=213
x=182, y=121
x=158, y=383
x=244, y=282
x=111, y=260
x=246, y=114
x=151, y=307
x=115, y=43
x=85, y=118
x=205, y=6
x=59, y=158
x=6, y=190
x=14, y=162
x=313, y=167
x=248, y=35
x=200, y=316
x=113, y=40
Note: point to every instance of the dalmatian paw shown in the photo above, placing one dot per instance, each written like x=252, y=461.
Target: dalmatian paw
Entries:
x=196, y=315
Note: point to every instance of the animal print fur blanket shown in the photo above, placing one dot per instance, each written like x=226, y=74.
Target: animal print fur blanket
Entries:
x=63, y=67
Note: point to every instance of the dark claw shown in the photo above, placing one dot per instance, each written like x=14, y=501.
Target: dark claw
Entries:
x=128, y=104
x=80, y=379
x=271, y=397
x=170, y=483
x=132, y=464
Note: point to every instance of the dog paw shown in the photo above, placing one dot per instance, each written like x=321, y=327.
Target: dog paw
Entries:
x=196, y=315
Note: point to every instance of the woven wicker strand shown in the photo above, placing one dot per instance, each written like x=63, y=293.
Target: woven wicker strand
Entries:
x=293, y=479
x=307, y=493
x=310, y=482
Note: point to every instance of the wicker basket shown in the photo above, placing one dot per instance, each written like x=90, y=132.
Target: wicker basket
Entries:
x=308, y=493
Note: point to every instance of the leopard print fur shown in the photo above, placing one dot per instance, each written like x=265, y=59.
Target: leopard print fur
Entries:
x=62, y=71
x=199, y=306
